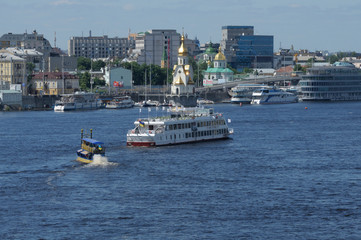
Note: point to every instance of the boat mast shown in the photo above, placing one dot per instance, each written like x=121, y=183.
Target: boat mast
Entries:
x=62, y=72
x=145, y=86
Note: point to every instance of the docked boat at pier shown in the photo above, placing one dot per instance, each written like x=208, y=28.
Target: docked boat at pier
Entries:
x=90, y=149
x=183, y=125
x=120, y=102
x=242, y=93
x=339, y=82
x=77, y=101
x=273, y=96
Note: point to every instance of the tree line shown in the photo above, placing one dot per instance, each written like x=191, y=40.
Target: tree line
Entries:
x=154, y=72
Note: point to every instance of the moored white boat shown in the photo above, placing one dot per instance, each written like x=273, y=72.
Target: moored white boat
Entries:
x=77, y=101
x=242, y=93
x=183, y=125
x=273, y=96
x=120, y=102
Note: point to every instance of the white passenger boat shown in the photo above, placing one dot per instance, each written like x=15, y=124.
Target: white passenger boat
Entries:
x=273, y=96
x=77, y=101
x=339, y=82
x=183, y=125
x=242, y=93
x=120, y=102
x=202, y=101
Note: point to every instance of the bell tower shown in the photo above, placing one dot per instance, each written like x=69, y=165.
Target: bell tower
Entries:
x=183, y=87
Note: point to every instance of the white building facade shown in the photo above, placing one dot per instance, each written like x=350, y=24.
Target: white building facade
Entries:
x=149, y=46
x=98, y=47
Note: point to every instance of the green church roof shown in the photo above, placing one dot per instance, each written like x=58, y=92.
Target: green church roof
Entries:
x=218, y=70
x=210, y=49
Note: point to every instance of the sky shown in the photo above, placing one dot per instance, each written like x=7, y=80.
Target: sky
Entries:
x=332, y=25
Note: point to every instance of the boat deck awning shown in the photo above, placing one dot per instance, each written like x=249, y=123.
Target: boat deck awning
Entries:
x=90, y=140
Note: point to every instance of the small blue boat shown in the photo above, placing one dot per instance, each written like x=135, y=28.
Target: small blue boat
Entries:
x=90, y=148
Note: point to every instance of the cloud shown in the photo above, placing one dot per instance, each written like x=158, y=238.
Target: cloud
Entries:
x=63, y=2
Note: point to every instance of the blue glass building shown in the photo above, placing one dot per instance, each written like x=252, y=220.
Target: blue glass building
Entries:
x=254, y=51
x=243, y=49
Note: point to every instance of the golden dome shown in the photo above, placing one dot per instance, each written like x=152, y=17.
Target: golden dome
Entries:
x=219, y=55
x=182, y=51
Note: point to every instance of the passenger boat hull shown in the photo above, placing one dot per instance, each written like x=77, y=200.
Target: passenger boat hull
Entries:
x=154, y=144
x=152, y=140
x=84, y=160
x=186, y=125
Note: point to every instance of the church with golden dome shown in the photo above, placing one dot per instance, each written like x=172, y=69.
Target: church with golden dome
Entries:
x=219, y=73
x=183, y=87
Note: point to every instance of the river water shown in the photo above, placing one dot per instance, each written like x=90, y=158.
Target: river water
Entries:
x=289, y=172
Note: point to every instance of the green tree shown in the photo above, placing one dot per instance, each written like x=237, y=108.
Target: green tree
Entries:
x=99, y=82
x=29, y=69
x=83, y=63
x=84, y=80
x=332, y=59
x=247, y=70
x=202, y=66
x=298, y=67
x=97, y=65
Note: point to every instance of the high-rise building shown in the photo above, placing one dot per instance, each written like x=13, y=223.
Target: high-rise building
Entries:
x=149, y=46
x=243, y=49
x=98, y=47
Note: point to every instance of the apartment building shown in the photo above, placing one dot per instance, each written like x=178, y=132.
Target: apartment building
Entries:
x=32, y=40
x=150, y=45
x=98, y=47
x=12, y=68
x=54, y=83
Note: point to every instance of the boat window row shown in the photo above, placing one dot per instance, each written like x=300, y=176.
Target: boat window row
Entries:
x=206, y=133
x=330, y=89
x=308, y=83
x=323, y=78
x=333, y=71
x=334, y=96
x=198, y=124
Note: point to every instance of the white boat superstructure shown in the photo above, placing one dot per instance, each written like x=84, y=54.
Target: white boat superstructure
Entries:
x=77, y=101
x=339, y=82
x=181, y=126
x=273, y=96
x=242, y=93
x=120, y=102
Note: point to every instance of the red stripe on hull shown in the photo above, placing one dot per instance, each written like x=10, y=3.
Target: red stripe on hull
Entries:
x=141, y=144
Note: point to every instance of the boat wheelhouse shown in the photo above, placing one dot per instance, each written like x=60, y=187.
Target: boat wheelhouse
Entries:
x=339, y=82
x=183, y=125
x=90, y=148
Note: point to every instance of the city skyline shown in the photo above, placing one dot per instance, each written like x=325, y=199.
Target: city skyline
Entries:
x=315, y=25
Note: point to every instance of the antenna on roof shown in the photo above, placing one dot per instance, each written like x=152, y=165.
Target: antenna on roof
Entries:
x=54, y=39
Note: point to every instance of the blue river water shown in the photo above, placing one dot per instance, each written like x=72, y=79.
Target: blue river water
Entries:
x=289, y=172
